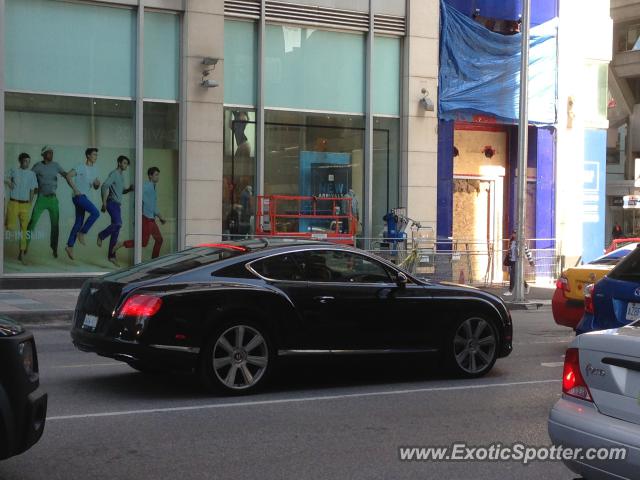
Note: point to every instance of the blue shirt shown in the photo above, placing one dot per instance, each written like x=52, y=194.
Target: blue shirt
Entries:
x=149, y=200
x=24, y=182
x=114, y=185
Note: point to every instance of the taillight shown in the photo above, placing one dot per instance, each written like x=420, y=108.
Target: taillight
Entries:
x=572, y=382
x=563, y=284
x=589, y=292
x=140, y=306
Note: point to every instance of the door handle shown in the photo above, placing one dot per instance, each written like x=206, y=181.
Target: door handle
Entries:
x=324, y=299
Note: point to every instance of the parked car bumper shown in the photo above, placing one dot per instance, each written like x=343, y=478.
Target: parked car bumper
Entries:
x=171, y=356
x=578, y=424
x=566, y=312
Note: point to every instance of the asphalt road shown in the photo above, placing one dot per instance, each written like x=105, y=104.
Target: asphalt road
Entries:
x=336, y=420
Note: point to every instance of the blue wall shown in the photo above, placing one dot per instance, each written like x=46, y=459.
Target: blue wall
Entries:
x=594, y=194
x=545, y=187
x=444, y=227
x=541, y=10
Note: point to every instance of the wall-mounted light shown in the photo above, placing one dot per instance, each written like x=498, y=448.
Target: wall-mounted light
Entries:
x=211, y=63
x=426, y=102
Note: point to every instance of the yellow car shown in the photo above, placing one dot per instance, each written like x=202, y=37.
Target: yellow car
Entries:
x=567, y=304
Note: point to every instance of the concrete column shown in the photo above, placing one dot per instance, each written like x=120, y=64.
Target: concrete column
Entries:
x=202, y=136
x=420, y=144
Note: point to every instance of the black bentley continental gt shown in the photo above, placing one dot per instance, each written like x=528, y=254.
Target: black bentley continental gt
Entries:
x=228, y=310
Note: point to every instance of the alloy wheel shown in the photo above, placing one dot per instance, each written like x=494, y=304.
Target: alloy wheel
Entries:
x=474, y=345
x=240, y=357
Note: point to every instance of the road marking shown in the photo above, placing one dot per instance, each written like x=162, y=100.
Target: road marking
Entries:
x=297, y=400
x=117, y=364
x=552, y=364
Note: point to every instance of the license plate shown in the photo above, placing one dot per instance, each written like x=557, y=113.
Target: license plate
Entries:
x=633, y=312
x=90, y=322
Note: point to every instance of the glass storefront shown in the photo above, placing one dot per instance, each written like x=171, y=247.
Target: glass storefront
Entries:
x=319, y=155
x=386, y=170
x=51, y=226
x=70, y=136
x=239, y=172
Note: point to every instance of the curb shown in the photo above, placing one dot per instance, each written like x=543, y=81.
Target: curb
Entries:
x=527, y=305
x=39, y=317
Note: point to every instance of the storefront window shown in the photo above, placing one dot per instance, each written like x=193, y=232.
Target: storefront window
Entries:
x=160, y=181
x=69, y=47
x=161, y=56
x=312, y=69
x=239, y=172
x=240, y=62
x=314, y=155
x=386, y=162
x=386, y=76
x=56, y=221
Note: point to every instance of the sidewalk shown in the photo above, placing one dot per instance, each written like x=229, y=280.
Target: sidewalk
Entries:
x=57, y=305
x=39, y=305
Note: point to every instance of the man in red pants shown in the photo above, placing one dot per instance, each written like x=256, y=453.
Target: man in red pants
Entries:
x=149, y=214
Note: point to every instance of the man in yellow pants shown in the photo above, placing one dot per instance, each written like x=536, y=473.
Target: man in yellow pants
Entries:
x=22, y=184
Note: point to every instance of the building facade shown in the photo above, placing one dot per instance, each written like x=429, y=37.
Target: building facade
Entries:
x=223, y=102
x=217, y=105
x=623, y=138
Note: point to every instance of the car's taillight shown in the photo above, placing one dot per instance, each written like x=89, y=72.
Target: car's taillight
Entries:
x=572, y=382
x=589, y=292
x=563, y=284
x=140, y=306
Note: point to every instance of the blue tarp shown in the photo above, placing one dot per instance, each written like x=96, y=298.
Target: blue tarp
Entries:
x=480, y=71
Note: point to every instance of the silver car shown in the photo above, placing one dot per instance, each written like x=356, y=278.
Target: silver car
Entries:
x=600, y=404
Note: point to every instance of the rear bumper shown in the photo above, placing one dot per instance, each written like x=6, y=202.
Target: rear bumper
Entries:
x=170, y=356
x=566, y=312
x=578, y=424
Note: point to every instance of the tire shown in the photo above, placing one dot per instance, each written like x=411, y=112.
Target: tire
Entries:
x=238, y=358
x=472, y=347
x=144, y=367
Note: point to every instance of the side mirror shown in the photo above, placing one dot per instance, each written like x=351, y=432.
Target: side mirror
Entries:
x=401, y=280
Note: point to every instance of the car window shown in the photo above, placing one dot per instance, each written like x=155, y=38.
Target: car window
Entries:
x=628, y=268
x=234, y=271
x=176, y=263
x=280, y=267
x=343, y=266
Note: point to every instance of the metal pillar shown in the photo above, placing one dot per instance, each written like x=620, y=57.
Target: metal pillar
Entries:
x=260, y=154
x=139, y=166
x=367, y=213
x=2, y=139
x=523, y=150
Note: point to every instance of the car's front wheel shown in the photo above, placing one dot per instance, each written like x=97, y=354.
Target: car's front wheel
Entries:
x=473, y=347
x=238, y=358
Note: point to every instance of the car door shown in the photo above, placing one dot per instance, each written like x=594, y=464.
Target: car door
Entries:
x=285, y=273
x=349, y=300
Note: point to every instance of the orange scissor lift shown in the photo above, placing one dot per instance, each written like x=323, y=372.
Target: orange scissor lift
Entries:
x=294, y=216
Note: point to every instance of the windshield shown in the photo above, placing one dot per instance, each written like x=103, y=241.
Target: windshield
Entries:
x=614, y=257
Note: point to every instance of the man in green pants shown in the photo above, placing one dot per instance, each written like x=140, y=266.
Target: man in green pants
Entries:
x=47, y=172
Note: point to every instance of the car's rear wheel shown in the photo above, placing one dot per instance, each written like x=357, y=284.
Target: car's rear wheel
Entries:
x=473, y=347
x=238, y=358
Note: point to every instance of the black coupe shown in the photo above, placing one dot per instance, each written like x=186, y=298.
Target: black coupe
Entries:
x=227, y=310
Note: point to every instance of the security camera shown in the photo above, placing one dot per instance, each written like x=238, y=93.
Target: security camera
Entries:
x=209, y=61
x=208, y=83
x=427, y=104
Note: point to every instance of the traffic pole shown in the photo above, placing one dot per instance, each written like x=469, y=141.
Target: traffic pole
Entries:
x=523, y=149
